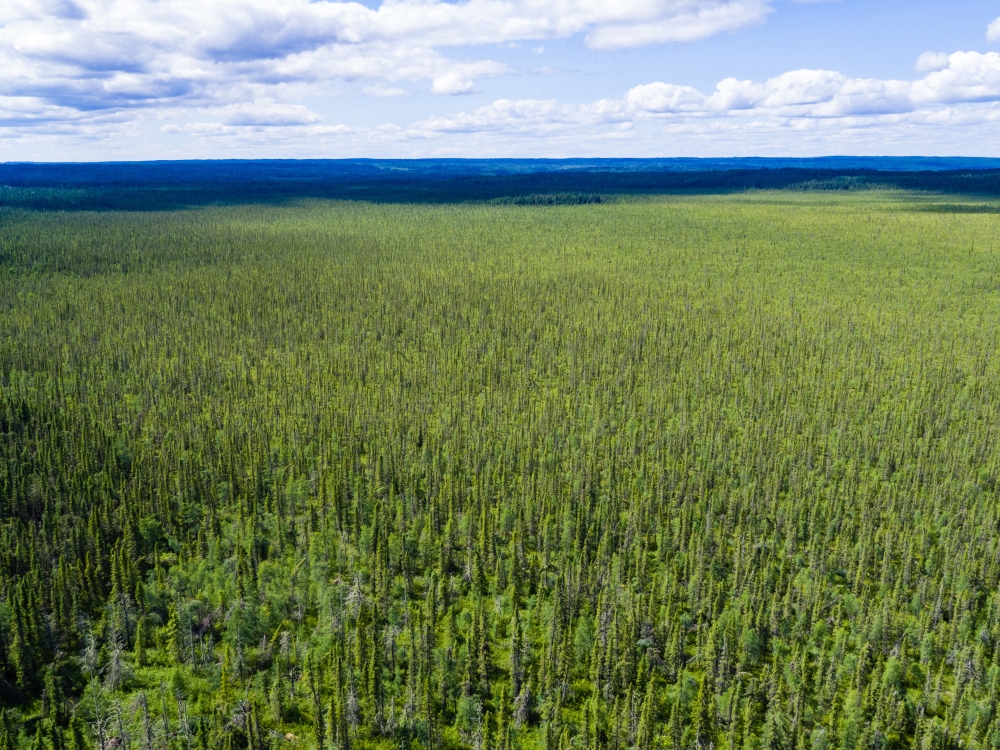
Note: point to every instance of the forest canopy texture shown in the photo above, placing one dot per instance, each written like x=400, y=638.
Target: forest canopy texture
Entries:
x=663, y=473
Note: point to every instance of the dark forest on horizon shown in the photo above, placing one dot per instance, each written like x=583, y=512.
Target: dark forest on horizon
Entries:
x=170, y=185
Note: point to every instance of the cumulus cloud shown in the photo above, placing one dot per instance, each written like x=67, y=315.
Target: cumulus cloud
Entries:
x=961, y=89
x=665, y=97
x=931, y=61
x=993, y=30
x=93, y=67
x=452, y=83
x=820, y=107
x=969, y=77
x=92, y=55
x=960, y=78
x=966, y=79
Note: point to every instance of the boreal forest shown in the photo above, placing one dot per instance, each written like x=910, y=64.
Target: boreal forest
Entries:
x=604, y=470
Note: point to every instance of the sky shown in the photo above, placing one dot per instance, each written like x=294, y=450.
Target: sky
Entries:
x=84, y=80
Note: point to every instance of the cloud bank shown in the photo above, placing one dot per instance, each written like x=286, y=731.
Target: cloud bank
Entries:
x=218, y=69
x=963, y=86
x=816, y=111
x=80, y=59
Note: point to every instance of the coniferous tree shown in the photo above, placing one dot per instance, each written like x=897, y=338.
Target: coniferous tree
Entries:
x=614, y=506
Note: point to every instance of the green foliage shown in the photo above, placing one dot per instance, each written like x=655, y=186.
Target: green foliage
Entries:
x=715, y=472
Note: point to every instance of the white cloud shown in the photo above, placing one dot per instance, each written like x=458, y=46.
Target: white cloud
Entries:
x=802, y=88
x=267, y=113
x=506, y=116
x=380, y=91
x=731, y=95
x=694, y=22
x=931, y=61
x=960, y=78
x=101, y=68
x=969, y=77
x=461, y=78
x=665, y=97
x=118, y=55
x=257, y=131
x=452, y=83
x=993, y=30
x=954, y=95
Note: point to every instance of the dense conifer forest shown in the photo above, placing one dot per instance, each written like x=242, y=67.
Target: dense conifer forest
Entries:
x=675, y=473
x=156, y=186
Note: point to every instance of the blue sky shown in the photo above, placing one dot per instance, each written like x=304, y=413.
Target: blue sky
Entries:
x=148, y=79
